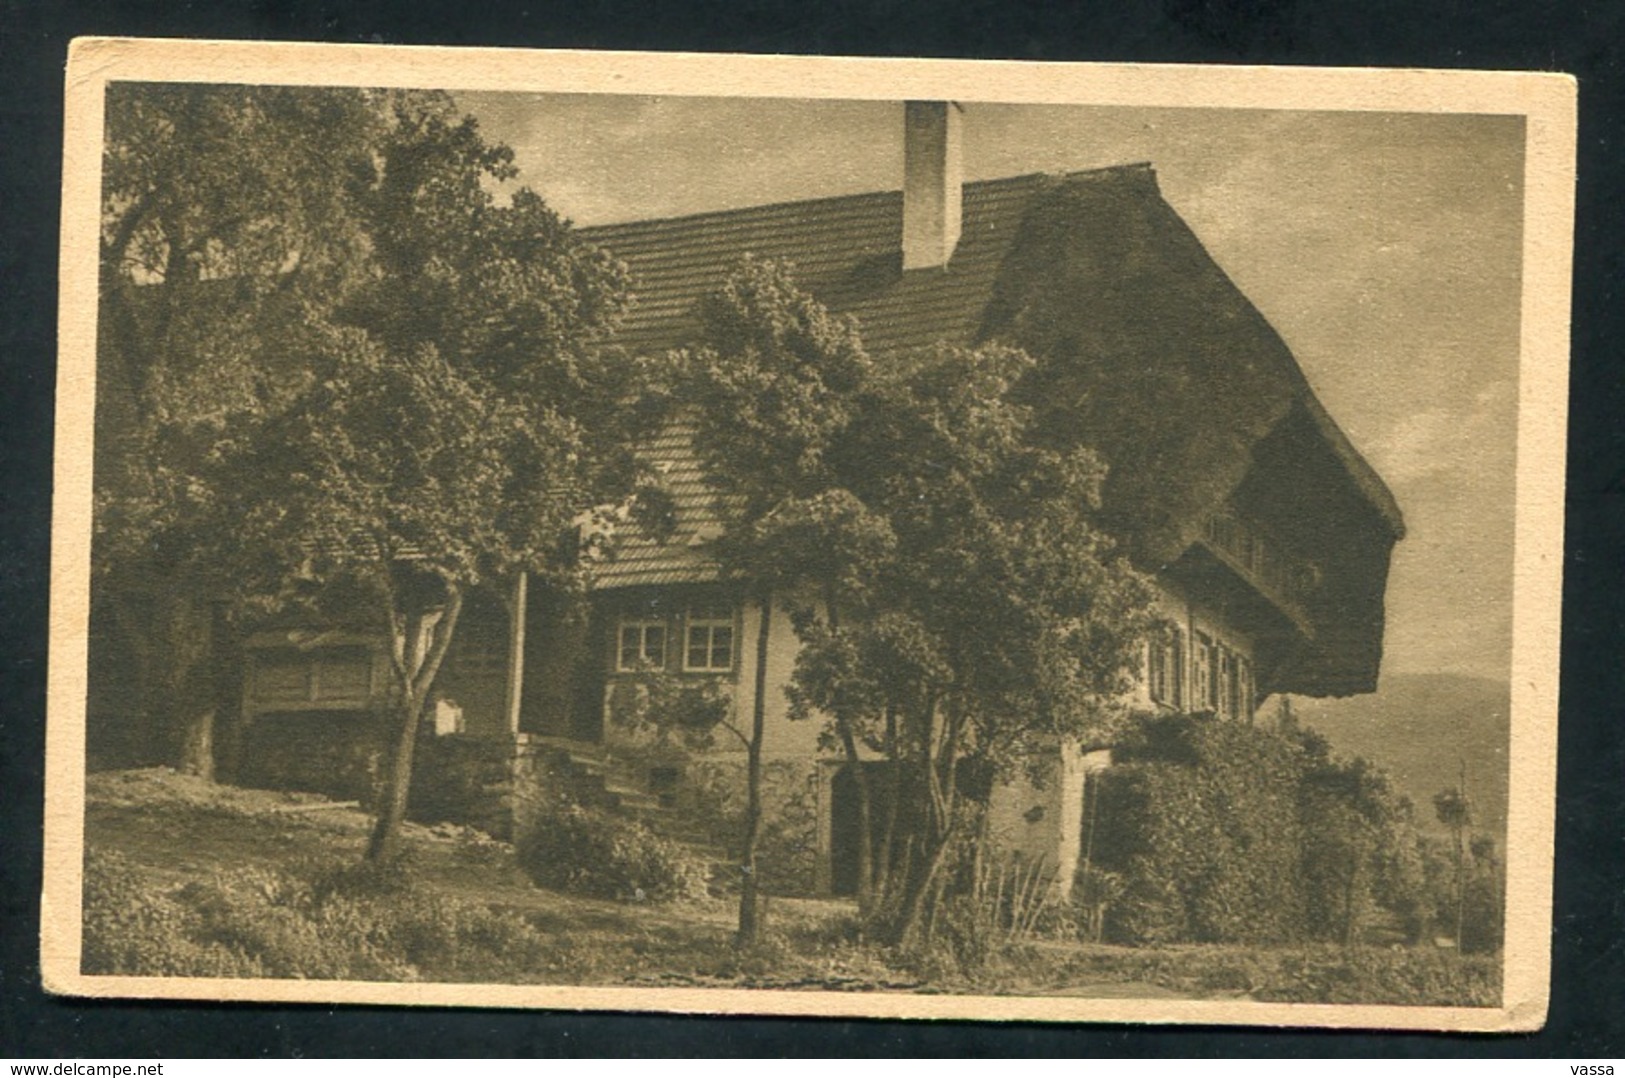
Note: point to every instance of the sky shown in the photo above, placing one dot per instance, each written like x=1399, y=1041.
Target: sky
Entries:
x=1383, y=247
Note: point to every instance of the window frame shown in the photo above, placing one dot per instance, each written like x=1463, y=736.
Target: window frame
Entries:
x=1229, y=687
x=1202, y=677
x=1165, y=670
x=1246, y=690
x=311, y=676
x=699, y=618
x=642, y=661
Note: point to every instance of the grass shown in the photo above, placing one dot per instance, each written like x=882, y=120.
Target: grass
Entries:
x=188, y=878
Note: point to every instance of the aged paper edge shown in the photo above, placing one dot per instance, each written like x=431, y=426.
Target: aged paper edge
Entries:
x=1547, y=101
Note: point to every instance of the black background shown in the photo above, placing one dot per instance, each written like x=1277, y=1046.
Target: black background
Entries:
x=1586, y=39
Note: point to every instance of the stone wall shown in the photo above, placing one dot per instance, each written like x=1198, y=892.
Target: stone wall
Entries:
x=466, y=780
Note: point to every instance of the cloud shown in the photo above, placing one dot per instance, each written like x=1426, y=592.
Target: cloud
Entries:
x=1440, y=439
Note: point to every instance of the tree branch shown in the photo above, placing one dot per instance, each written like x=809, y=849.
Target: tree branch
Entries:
x=735, y=731
x=397, y=628
x=442, y=635
x=134, y=217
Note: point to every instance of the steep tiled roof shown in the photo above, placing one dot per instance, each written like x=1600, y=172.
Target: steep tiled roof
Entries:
x=846, y=251
x=843, y=250
x=641, y=561
x=1147, y=352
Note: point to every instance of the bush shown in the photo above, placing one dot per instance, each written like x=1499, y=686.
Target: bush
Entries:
x=587, y=852
x=350, y=922
x=709, y=805
x=1202, y=822
x=1223, y=832
x=129, y=928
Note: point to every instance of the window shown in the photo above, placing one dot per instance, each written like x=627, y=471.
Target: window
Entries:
x=642, y=644
x=344, y=674
x=1229, y=705
x=710, y=640
x=282, y=675
x=1204, y=678
x=324, y=677
x=1167, y=670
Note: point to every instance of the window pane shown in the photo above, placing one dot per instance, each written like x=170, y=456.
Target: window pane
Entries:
x=722, y=648
x=1177, y=675
x=630, y=635
x=281, y=675
x=698, y=639
x=344, y=675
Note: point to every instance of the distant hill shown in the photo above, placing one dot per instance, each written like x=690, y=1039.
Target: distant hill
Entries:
x=1418, y=728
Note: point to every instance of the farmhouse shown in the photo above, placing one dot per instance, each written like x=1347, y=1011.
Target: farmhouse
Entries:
x=1268, y=534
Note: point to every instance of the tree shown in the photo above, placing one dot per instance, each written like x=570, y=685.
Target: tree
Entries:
x=1360, y=847
x=772, y=384
x=1482, y=923
x=987, y=619
x=959, y=612
x=1455, y=810
x=226, y=224
x=1004, y=624
x=436, y=423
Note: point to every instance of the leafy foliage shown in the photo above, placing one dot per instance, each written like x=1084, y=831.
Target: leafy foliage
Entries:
x=773, y=384
x=326, y=921
x=424, y=918
x=1203, y=821
x=413, y=397
x=957, y=608
x=1225, y=832
x=601, y=855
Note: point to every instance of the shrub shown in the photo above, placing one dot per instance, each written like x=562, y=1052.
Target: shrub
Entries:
x=130, y=928
x=1202, y=822
x=588, y=852
x=1223, y=832
x=1361, y=851
x=787, y=850
x=1482, y=928
x=352, y=922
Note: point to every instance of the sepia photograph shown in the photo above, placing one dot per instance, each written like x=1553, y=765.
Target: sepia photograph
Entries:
x=808, y=536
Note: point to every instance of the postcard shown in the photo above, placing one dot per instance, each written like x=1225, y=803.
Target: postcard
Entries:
x=808, y=535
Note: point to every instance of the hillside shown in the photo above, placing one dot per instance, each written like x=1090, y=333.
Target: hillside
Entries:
x=1419, y=728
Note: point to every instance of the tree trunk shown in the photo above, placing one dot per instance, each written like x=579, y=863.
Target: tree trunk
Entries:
x=136, y=626
x=197, y=742
x=883, y=867
x=866, y=872
x=865, y=862
x=920, y=890
x=203, y=684
x=1349, y=885
x=187, y=683
x=420, y=645
x=750, y=923
x=1461, y=888
x=935, y=822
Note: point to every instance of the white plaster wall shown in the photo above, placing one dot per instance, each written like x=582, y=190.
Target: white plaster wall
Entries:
x=781, y=737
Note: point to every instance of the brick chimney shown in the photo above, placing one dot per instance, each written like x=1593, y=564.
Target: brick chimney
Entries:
x=932, y=182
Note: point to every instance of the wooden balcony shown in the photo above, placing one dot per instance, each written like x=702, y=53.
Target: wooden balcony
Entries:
x=1287, y=581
